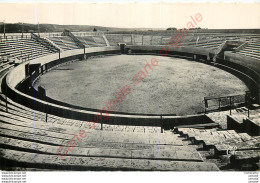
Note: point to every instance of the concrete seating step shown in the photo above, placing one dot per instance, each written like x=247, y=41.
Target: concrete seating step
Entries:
x=213, y=125
x=22, y=111
x=100, y=163
x=32, y=137
x=36, y=131
x=245, y=136
x=99, y=135
x=178, y=153
x=185, y=131
x=57, y=140
x=10, y=118
x=211, y=142
x=252, y=144
x=70, y=125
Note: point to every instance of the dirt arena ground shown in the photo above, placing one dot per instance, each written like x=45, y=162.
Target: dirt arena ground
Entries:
x=174, y=86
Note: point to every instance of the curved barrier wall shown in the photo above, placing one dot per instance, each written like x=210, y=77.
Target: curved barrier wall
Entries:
x=11, y=84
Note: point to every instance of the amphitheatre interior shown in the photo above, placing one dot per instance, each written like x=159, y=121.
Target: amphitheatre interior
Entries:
x=130, y=102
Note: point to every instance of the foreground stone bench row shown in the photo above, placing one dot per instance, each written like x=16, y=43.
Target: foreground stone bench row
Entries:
x=29, y=160
x=67, y=133
x=63, y=139
x=23, y=112
x=177, y=153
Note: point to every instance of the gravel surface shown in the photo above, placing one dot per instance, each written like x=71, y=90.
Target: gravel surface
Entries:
x=175, y=86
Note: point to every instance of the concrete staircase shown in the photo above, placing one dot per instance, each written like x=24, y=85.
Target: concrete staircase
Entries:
x=235, y=151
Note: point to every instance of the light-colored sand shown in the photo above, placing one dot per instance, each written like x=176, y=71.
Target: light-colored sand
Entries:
x=175, y=86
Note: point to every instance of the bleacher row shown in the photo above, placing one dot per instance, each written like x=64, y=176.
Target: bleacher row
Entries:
x=92, y=41
x=23, y=49
x=211, y=41
x=251, y=50
x=27, y=49
x=67, y=43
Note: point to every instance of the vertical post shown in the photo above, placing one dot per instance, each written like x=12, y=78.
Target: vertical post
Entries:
x=131, y=39
x=46, y=118
x=248, y=105
x=4, y=29
x=22, y=29
x=230, y=104
x=6, y=102
x=219, y=100
x=206, y=104
x=101, y=125
x=38, y=29
x=247, y=98
x=161, y=121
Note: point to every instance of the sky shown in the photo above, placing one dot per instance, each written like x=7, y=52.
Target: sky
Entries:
x=145, y=14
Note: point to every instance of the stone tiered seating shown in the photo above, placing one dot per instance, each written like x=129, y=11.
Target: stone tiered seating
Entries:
x=251, y=50
x=228, y=35
x=47, y=161
x=102, y=150
x=114, y=39
x=92, y=41
x=23, y=49
x=99, y=40
x=208, y=43
x=69, y=42
x=64, y=42
x=206, y=40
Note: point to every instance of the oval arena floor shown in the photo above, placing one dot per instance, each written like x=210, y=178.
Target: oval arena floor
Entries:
x=174, y=86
